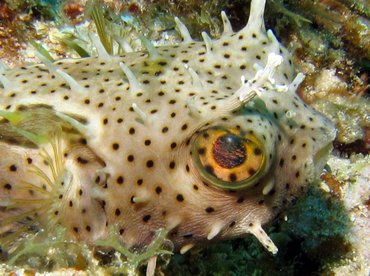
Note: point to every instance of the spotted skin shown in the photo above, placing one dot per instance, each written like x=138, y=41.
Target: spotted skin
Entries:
x=126, y=152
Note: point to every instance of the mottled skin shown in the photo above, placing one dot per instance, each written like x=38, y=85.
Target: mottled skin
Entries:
x=133, y=166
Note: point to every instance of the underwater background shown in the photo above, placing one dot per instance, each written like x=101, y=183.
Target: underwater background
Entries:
x=326, y=232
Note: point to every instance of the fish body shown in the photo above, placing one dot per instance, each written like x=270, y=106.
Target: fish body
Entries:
x=207, y=140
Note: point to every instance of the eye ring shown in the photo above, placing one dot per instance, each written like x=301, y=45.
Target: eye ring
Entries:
x=229, y=158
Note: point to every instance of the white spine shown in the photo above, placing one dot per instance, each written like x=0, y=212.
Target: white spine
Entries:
x=228, y=29
x=126, y=46
x=273, y=40
x=73, y=122
x=184, y=32
x=268, y=187
x=142, y=116
x=186, y=248
x=196, y=81
x=102, y=52
x=261, y=235
x=73, y=84
x=208, y=42
x=297, y=81
x=215, y=230
x=255, y=20
x=134, y=84
x=153, y=53
x=51, y=67
x=6, y=83
x=3, y=67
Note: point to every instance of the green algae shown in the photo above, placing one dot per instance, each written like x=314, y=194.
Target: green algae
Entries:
x=47, y=251
x=127, y=261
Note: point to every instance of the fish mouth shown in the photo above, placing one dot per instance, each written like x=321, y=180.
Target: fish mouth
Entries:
x=321, y=155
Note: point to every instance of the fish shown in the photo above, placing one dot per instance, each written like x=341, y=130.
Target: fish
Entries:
x=205, y=139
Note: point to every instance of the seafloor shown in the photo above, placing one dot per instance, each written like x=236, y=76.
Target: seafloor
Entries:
x=327, y=232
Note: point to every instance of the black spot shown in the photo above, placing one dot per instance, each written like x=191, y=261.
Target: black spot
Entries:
x=82, y=160
x=251, y=171
x=201, y=151
x=120, y=179
x=149, y=163
x=232, y=177
x=209, y=169
x=139, y=181
x=131, y=131
x=210, y=209
x=146, y=218
x=257, y=151
x=7, y=186
x=117, y=212
x=180, y=197
x=240, y=199
x=172, y=165
x=158, y=190
x=13, y=168
x=115, y=146
x=281, y=163
x=130, y=158
x=165, y=129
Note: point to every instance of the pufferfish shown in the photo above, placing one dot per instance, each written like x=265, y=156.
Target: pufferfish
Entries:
x=206, y=139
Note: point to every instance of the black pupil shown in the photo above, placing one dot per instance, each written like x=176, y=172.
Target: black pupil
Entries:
x=229, y=151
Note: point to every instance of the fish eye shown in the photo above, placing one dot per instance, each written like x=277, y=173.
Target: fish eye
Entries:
x=229, y=158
